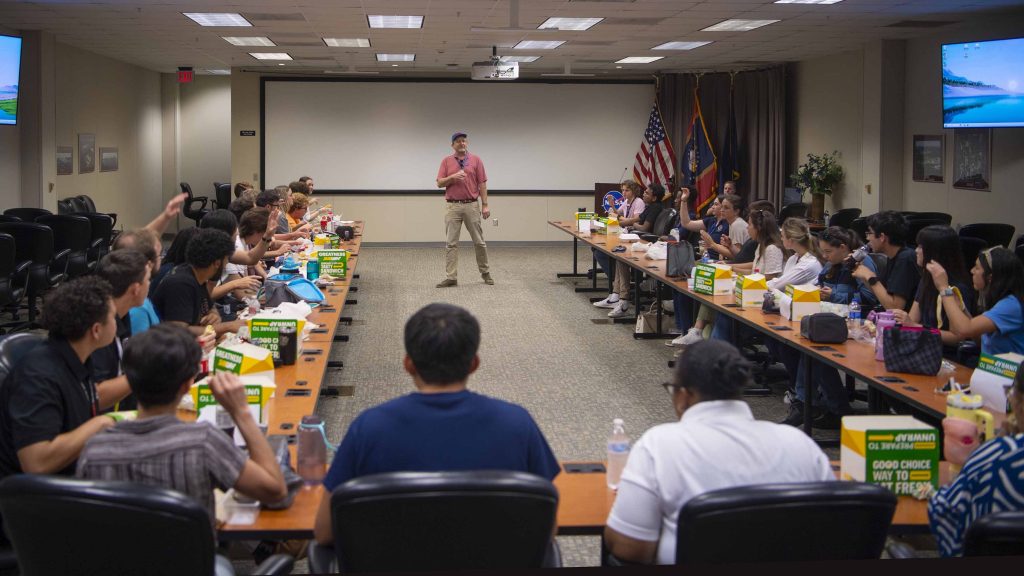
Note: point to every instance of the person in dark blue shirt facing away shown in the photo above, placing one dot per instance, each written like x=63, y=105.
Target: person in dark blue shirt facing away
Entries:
x=442, y=426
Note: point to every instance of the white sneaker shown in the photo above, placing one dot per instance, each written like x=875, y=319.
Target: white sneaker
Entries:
x=620, y=310
x=691, y=337
x=610, y=302
x=677, y=341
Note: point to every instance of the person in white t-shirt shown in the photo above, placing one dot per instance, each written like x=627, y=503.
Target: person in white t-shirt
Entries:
x=716, y=444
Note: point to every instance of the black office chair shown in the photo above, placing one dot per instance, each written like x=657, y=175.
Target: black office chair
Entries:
x=222, y=193
x=102, y=227
x=946, y=219
x=795, y=522
x=27, y=214
x=844, y=217
x=993, y=234
x=9, y=218
x=441, y=521
x=74, y=234
x=78, y=205
x=13, y=276
x=188, y=208
x=34, y=242
x=794, y=210
x=68, y=526
x=663, y=223
x=88, y=205
x=915, y=226
x=65, y=206
x=860, y=226
x=1019, y=251
x=996, y=534
x=971, y=247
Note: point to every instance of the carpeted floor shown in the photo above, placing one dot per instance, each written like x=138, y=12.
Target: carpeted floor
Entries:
x=544, y=346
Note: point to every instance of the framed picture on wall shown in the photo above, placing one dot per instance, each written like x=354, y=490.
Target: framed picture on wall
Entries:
x=972, y=159
x=86, y=153
x=65, y=160
x=108, y=159
x=928, y=154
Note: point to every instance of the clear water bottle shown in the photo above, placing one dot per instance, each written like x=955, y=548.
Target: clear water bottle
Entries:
x=312, y=451
x=855, y=310
x=618, y=453
x=827, y=218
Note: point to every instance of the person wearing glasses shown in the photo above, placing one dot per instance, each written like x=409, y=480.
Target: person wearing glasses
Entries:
x=998, y=278
x=887, y=234
x=715, y=444
x=990, y=481
x=158, y=449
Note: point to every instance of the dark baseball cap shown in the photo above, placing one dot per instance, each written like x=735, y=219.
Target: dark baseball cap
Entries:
x=458, y=135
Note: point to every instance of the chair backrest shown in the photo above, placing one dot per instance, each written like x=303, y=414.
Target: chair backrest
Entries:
x=32, y=241
x=971, y=247
x=860, y=226
x=443, y=521
x=843, y=217
x=87, y=202
x=998, y=534
x=9, y=218
x=78, y=205
x=7, y=255
x=1019, y=251
x=65, y=206
x=27, y=214
x=663, y=223
x=67, y=526
x=187, y=189
x=222, y=192
x=994, y=234
x=916, y=225
x=946, y=219
x=14, y=347
x=71, y=231
x=794, y=210
x=785, y=522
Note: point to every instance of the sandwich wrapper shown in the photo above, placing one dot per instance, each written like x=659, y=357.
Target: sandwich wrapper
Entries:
x=898, y=452
x=993, y=376
x=264, y=326
x=749, y=290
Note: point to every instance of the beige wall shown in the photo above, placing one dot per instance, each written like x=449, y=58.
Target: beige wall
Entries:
x=924, y=116
x=245, y=115
x=205, y=133
x=120, y=104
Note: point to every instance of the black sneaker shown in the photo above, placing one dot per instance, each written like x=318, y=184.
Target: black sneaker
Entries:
x=795, y=416
x=828, y=421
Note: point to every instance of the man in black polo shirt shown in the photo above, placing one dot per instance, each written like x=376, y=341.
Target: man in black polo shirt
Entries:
x=887, y=234
x=183, y=297
x=49, y=404
x=128, y=272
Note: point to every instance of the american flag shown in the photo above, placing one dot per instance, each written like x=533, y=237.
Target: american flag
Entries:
x=656, y=161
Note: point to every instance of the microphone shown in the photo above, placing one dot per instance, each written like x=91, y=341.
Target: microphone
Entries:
x=623, y=175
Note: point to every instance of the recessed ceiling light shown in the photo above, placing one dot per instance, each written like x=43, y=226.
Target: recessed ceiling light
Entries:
x=280, y=63
x=270, y=55
x=394, y=65
x=380, y=21
x=348, y=42
x=738, y=25
x=217, y=18
x=680, y=45
x=808, y=1
x=639, y=59
x=219, y=72
x=538, y=44
x=396, y=57
x=249, y=40
x=507, y=59
x=618, y=67
x=577, y=24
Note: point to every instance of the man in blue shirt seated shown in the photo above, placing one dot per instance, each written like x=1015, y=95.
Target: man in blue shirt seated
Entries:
x=442, y=426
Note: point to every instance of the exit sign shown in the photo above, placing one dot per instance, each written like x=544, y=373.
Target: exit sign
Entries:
x=185, y=75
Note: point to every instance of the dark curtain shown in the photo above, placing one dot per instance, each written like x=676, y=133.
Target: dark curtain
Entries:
x=760, y=100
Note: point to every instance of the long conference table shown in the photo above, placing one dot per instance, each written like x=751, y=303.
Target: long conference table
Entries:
x=584, y=497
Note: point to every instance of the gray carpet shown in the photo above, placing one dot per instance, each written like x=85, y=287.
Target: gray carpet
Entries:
x=540, y=349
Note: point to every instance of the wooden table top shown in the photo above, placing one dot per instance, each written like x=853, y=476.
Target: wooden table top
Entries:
x=856, y=358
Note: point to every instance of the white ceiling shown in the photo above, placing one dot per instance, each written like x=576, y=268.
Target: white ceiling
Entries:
x=154, y=34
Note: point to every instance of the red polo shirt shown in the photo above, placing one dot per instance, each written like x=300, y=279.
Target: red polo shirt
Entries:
x=469, y=188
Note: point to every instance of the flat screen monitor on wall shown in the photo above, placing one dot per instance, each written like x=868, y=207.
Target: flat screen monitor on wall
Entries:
x=10, y=68
x=983, y=84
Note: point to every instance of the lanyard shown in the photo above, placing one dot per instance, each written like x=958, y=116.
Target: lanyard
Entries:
x=462, y=162
x=90, y=395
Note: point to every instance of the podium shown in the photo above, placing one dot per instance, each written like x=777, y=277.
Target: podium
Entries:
x=600, y=189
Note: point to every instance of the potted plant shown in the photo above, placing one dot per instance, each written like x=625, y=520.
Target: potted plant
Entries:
x=819, y=175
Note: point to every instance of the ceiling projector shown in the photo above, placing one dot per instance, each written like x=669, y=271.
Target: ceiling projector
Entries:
x=495, y=69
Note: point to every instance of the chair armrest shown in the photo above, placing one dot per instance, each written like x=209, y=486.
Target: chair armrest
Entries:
x=322, y=559
x=202, y=203
x=900, y=551
x=967, y=353
x=113, y=215
x=276, y=565
x=60, y=263
x=20, y=274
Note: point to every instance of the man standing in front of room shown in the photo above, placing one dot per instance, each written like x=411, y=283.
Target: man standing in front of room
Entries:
x=464, y=180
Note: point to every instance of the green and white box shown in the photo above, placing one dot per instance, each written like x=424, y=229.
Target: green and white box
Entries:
x=898, y=452
x=333, y=262
x=713, y=279
x=993, y=376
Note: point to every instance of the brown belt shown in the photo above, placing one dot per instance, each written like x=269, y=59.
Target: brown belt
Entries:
x=461, y=201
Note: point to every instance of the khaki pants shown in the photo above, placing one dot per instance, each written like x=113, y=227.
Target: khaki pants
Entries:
x=455, y=214
x=620, y=284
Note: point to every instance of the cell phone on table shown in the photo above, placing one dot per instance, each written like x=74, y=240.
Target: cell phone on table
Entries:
x=584, y=468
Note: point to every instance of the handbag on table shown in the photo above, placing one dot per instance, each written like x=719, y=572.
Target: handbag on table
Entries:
x=913, y=350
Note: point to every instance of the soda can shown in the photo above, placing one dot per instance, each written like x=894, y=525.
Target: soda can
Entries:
x=312, y=269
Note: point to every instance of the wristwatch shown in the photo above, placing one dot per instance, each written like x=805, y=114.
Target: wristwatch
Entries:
x=948, y=291
x=873, y=280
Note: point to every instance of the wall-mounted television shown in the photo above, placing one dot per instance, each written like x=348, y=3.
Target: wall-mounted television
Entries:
x=983, y=84
x=10, y=69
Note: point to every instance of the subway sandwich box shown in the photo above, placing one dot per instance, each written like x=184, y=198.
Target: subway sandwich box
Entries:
x=258, y=389
x=713, y=279
x=993, y=376
x=244, y=359
x=750, y=290
x=898, y=452
x=800, y=300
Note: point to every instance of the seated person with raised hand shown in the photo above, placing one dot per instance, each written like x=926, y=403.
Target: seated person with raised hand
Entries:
x=147, y=243
x=442, y=426
x=234, y=279
x=271, y=201
x=158, y=449
x=183, y=296
x=49, y=404
x=716, y=444
x=998, y=279
x=887, y=234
